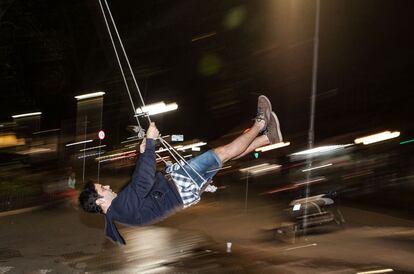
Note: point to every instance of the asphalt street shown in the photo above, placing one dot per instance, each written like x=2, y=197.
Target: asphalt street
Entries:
x=61, y=238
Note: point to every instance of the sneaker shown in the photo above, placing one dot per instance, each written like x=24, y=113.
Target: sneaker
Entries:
x=273, y=130
x=264, y=109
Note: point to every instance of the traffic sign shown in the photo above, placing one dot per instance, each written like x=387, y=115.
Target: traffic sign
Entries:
x=101, y=134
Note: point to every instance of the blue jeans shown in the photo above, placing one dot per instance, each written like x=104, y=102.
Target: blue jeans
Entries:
x=206, y=164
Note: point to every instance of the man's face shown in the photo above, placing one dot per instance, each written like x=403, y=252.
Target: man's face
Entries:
x=105, y=191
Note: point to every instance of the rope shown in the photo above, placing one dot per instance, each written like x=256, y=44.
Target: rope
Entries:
x=166, y=145
x=126, y=57
x=163, y=142
x=119, y=61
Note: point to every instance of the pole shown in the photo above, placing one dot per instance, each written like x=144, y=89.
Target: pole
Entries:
x=247, y=192
x=99, y=147
x=311, y=132
x=84, y=151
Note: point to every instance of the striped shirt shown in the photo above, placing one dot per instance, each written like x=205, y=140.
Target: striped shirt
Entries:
x=189, y=190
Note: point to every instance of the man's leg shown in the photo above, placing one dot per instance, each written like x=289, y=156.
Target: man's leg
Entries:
x=259, y=141
x=271, y=136
x=240, y=144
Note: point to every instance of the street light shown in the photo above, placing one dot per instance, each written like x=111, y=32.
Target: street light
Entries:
x=26, y=115
x=90, y=95
x=273, y=146
x=320, y=150
x=156, y=108
x=382, y=136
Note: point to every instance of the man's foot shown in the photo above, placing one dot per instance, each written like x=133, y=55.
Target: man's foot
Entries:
x=273, y=130
x=264, y=109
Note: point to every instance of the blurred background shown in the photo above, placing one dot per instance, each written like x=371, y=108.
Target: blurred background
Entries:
x=334, y=197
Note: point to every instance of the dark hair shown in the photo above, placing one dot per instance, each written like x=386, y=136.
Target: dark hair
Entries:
x=88, y=197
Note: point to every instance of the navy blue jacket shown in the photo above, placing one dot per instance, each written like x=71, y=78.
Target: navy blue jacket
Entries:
x=148, y=198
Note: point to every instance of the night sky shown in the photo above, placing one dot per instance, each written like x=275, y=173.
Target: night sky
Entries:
x=54, y=50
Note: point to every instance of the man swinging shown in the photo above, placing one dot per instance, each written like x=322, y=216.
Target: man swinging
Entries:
x=152, y=196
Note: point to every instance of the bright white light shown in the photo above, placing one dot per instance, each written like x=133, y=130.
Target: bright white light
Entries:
x=91, y=154
x=377, y=137
x=26, y=115
x=321, y=149
x=90, y=148
x=116, y=155
x=296, y=207
x=273, y=146
x=90, y=95
x=385, y=270
x=157, y=108
x=199, y=144
x=260, y=168
x=182, y=148
x=78, y=143
x=264, y=169
x=317, y=167
x=319, y=179
x=177, y=138
x=246, y=169
x=195, y=149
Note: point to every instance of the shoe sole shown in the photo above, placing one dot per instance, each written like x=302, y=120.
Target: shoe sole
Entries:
x=263, y=97
x=278, y=138
x=269, y=106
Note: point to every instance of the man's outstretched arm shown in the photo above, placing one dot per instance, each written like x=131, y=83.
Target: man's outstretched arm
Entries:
x=144, y=174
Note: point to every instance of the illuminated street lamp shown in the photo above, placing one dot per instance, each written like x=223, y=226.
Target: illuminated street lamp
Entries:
x=90, y=95
x=382, y=136
x=26, y=115
x=273, y=146
x=156, y=108
x=320, y=150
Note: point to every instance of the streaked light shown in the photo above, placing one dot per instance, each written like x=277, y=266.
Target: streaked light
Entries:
x=321, y=149
x=377, y=137
x=90, y=148
x=46, y=131
x=132, y=154
x=162, y=159
x=8, y=140
x=317, y=167
x=90, y=95
x=318, y=179
x=156, y=108
x=253, y=167
x=78, y=143
x=26, y=115
x=116, y=156
x=182, y=148
x=260, y=168
x=273, y=146
x=195, y=149
x=91, y=154
x=36, y=150
x=406, y=142
x=385, y=270
x=199, y=144
x=296, y=207
x=302, y=246
x=203, y=36
x=264, y=169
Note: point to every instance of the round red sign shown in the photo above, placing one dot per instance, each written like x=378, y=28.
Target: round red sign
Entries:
x=101, y=134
